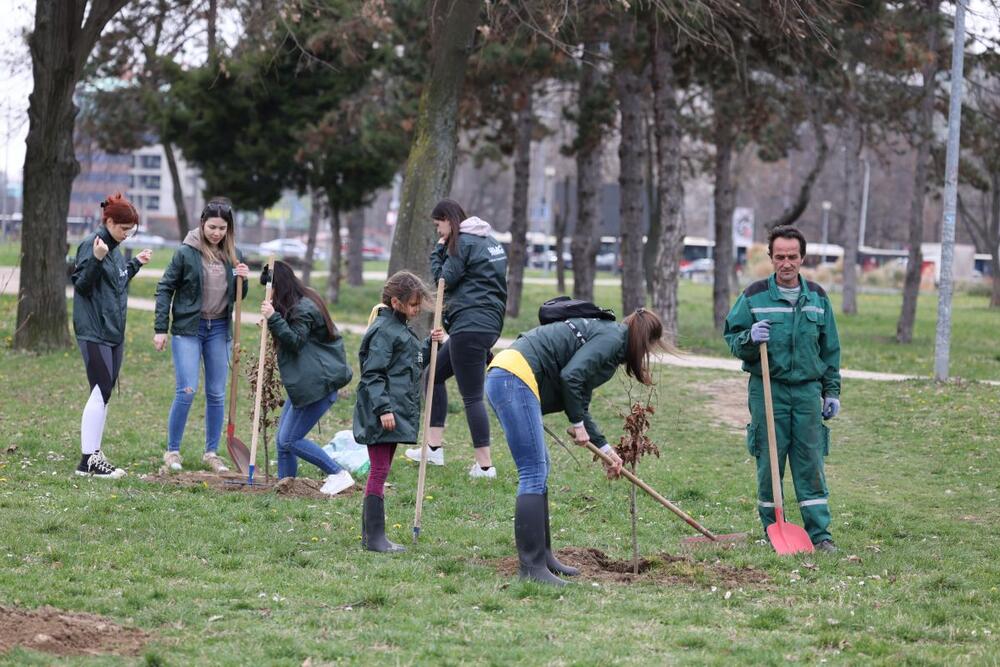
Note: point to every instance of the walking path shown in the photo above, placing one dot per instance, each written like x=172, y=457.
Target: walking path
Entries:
x=9, y=285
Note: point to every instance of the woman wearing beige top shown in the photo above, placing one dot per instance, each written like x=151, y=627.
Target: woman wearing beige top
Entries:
x=194, y=300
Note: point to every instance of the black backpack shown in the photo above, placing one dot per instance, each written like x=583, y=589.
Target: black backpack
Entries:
x=563, y=308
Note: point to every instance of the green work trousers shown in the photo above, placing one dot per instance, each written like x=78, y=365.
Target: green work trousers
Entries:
x=803, y=439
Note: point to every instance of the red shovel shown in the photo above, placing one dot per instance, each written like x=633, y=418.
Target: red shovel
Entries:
x=786, y=538
x=238, y=452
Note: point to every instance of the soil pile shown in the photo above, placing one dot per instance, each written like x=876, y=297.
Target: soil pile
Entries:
x=663, y=568
x=65, y=633
x=291, y=487
x=729, y=402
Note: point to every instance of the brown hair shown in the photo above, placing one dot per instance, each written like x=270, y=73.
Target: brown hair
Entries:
x=786, y=232
x=219, y=207
x=450, y=210
x=119, y=210
x=404, y=286
x=644, y=337
x=286, y=292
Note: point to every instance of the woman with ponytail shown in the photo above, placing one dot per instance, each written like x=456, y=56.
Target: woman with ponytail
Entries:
x=100, y=304
x=555, y=368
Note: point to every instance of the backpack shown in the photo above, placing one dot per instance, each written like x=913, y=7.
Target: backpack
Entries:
x=563, y=308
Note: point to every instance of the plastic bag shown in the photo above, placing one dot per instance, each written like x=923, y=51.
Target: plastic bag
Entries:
x=348, y=453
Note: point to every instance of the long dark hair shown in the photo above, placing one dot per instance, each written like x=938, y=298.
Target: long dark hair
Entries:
x=450, y=210
x=288, y=290
x=645, y=331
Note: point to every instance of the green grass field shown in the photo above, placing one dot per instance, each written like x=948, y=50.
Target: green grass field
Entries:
x=238, y=579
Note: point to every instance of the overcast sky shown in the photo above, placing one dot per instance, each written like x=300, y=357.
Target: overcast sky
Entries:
x=15, y=72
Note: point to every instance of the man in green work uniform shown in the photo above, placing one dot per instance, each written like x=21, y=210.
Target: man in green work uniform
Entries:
x=795, y=318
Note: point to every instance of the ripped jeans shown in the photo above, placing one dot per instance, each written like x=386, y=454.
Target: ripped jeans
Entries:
x=211, y=345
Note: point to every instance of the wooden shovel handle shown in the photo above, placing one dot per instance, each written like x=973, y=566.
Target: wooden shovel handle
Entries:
x=426, y=420
x=772, y=439
x=260, y=367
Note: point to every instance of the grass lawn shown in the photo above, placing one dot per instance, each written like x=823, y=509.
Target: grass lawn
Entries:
x=239, y=579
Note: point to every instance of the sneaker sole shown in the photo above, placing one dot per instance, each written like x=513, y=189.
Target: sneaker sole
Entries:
x=336, y=491
x=417, y=460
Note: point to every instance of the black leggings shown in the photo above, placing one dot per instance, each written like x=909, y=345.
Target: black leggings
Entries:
x=103, y=363
x=465, y=356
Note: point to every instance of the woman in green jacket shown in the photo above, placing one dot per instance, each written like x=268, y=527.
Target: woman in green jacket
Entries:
x=197, y=293
x=555, y=368
x=387, y=408
x=100, y=303
x=313, y=368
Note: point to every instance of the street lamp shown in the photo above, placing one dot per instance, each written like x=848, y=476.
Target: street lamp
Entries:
x=826, y=226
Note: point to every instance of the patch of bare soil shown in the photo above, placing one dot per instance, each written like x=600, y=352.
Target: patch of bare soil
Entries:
x=663, y=568
x=729, y=402
x=292, y=487
x=66, y=633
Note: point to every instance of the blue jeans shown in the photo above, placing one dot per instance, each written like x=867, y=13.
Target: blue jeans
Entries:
x=293, y=427
x=520, y=416
x=212, y=345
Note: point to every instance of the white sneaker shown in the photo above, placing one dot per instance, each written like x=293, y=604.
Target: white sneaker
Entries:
x=434, y=457
x=214, y=462
x=475, y=472
x=173, y=460
x=334, y=484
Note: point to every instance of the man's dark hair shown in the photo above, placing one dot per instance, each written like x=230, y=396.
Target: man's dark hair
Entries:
x=786, y=232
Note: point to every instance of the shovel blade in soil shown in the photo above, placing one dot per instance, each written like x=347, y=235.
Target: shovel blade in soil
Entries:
x=238, y=454
x=787, y=538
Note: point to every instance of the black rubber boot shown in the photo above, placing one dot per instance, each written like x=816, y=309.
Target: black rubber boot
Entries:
x=529, y=535
x=373, y=526
x=550, y=558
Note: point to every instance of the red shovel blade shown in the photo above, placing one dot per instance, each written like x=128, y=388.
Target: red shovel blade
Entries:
x=238, y=452
x=787, y=538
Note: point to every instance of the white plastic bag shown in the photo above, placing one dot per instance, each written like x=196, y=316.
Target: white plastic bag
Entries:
x=347, y=452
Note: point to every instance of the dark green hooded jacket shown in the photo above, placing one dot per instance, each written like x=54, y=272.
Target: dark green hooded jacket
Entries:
x=475, y=296
x=100, y=291
x=179, y=293
x=312, y=365
x=391, y=359
x=567, y=371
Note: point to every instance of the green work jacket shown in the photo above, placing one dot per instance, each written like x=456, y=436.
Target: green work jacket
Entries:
x=804, y=345
x=312, y=365
x=475, y=284
x=100, y=291
x=392, y=359
x=567, y=370
x=178, y=294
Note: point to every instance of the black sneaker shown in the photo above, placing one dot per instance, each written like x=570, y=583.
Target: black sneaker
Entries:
x=827, y=547
x=95, y=465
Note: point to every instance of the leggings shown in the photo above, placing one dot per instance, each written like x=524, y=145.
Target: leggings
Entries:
x=380, y=458
x=103, y=363
x=465, y=356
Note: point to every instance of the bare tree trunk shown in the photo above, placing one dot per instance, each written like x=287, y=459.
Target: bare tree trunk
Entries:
x=212, y=31
x=559, y=232
x=925, y=129
x=315, y=215
x=724, y=196
x=632, y=160
x=431, y=163
x=183, y=224
x=519, y=213
x=333, y=279
x=854, y=140
x=796, y=208
x=652, y=196
x=60, y=44
x=583, y=247
x=356, y=247
x=670, y=186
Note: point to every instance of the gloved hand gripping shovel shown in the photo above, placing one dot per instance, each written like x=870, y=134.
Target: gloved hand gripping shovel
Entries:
x=786, y=538
x=709, y=536
x=238, y=452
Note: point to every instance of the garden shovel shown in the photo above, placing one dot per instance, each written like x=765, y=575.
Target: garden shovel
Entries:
x=786, y=538
x=426, y=420
x=260, y=376
x=238, y=452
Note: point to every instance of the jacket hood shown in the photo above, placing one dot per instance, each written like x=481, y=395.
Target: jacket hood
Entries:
x=475, y=226
x=193, y=239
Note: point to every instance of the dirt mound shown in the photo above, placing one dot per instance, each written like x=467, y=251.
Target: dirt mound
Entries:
x=663, y=568
x=729, y=402
x=64, y=633
x=293, y=487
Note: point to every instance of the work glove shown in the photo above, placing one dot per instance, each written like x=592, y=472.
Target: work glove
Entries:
x=760, y=332
x=831, y=406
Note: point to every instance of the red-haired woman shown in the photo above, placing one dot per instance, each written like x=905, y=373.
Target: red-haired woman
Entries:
x=100, y=303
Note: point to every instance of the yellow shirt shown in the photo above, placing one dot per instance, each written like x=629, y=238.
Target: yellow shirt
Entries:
x=514, y=362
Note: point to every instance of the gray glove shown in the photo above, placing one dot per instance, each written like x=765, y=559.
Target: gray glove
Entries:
x=831, y=407
x=760, y=332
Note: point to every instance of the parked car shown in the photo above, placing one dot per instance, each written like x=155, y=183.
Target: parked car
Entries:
x=142, y=240
x=699, y=268
x=284, y=248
